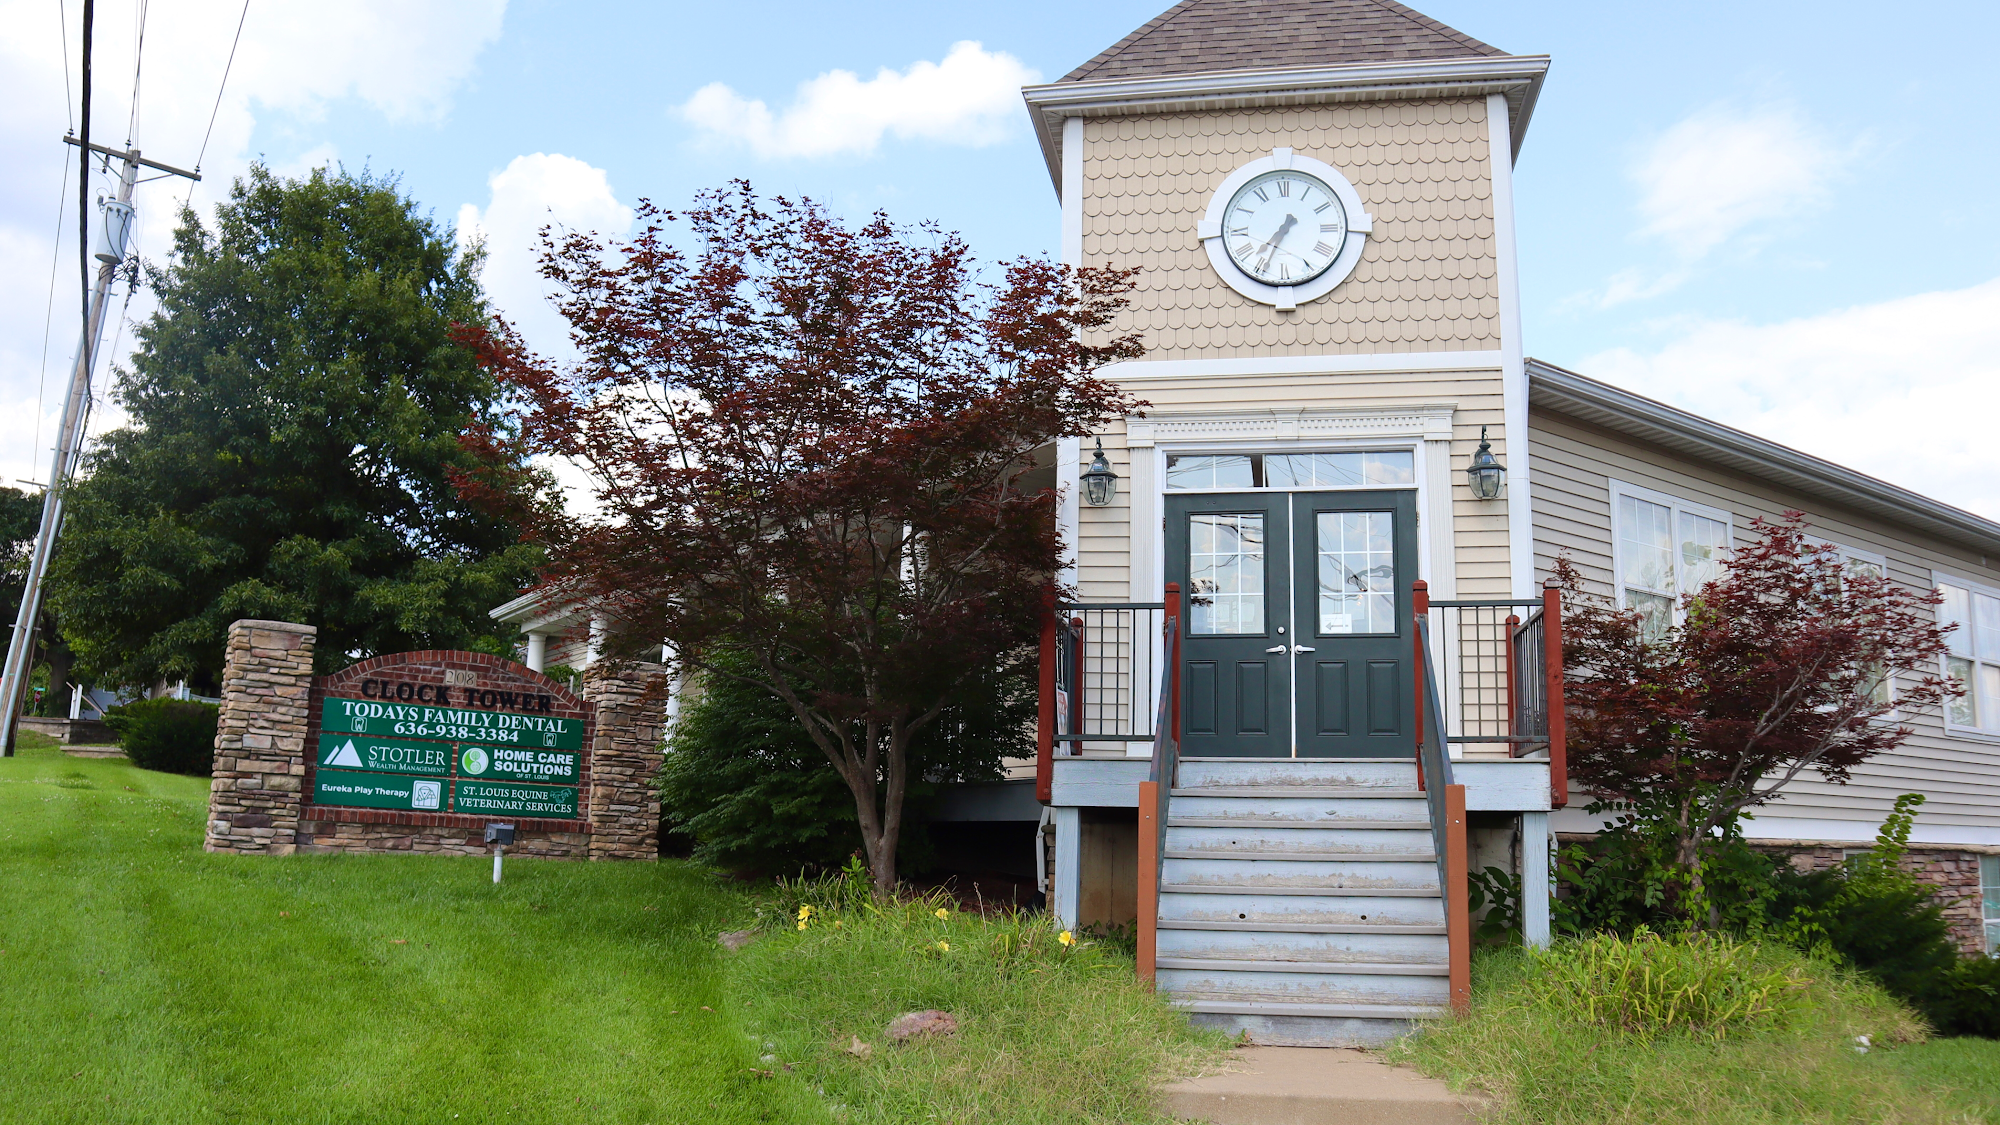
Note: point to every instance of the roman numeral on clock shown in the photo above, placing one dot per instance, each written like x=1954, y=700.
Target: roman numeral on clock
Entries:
x=1285, y=189
x=1322, y=248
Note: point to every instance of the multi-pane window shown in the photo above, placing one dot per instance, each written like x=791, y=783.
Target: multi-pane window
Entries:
x=1881, y=688
x=1666, y=548
x=1226, y=572
x=1391, y=468
x=1357, y=572
x=1973, y=658
x=1989, y=887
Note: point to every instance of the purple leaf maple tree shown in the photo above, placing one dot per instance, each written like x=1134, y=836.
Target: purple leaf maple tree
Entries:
x=806, y=442
x=1793, y=659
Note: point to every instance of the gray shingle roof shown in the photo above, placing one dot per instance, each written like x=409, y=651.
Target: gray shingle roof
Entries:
x=1199, y=36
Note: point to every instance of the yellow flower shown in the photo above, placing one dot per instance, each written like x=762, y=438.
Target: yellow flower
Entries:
x=1066, y=938
x=836, y=923
x=802, y=923
x=945, y=946
x=943, y=913
x=805, y=912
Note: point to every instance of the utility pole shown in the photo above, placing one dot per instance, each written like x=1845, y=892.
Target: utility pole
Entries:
x=113, y=231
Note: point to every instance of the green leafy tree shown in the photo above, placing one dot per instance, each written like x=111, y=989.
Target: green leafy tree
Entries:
x=297, y=406
x=746, y=784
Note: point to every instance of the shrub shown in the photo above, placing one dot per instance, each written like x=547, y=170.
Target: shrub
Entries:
x=744, y=781
x=170, y=735
x=1705, y=983
x=1543, y=1058
x=1629, y=876
x=1966, y=999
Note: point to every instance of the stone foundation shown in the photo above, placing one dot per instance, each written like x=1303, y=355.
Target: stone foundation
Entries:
x=326, y=830
x=1955, y=874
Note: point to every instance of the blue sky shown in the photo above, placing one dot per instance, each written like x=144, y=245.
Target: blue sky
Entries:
x=1777, y=214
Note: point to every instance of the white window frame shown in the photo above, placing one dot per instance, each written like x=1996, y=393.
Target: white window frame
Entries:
x=1989, y=922
x=1676, y=505
x=1951, y=729
x=1874, y=558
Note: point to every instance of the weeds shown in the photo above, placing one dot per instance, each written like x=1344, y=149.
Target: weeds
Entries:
x=1705, y=984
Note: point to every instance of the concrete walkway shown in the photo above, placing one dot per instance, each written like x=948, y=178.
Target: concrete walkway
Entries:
x=1314, y=1086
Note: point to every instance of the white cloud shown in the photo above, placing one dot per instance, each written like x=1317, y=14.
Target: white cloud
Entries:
x=533, y=191
x=405, y=59
x=1720, y=174
x=972, y=97
x=1906, y=390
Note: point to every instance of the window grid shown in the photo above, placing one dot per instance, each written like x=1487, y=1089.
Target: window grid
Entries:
x=1385, y=468
x=1226, y=574
x=1973, y=653
x=1666, y=548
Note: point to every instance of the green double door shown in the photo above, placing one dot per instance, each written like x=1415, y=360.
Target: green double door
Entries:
x=1297, y=626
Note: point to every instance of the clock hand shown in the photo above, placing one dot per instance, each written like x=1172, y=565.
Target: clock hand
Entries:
x=1277, y=236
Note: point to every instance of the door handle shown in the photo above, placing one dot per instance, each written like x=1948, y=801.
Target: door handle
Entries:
x=1297, y=649
x=1275, y=648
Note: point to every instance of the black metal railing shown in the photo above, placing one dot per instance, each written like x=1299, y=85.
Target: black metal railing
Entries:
x=1109, y=655
x=1494, y=674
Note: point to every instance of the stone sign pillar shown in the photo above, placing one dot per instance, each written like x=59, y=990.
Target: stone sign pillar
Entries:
x=631, y=703
x=260, y=738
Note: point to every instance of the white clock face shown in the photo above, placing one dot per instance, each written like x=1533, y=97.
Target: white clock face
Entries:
x=1284, y=227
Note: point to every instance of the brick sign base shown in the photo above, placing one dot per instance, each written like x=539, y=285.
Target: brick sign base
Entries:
x=267, y=740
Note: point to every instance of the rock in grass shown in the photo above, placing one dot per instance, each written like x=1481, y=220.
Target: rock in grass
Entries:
x=736, y=939
x=909, y=1025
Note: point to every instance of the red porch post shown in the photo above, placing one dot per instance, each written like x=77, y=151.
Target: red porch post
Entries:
x=1172, y=648
x=1552, y=656
x=1045, y=710
x=1149, y=877
x=1457, y=904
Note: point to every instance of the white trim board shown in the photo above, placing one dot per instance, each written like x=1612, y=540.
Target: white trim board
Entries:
x=1430, y=421
x=1365, y=364
x=1514, y=373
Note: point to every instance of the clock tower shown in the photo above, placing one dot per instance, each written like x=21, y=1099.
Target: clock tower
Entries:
x=1318, y=197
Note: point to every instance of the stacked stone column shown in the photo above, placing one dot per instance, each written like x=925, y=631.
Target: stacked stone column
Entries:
x=631, y=702
x=260, y=738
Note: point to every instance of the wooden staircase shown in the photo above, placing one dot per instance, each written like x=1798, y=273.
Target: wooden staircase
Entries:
x=1299, y=900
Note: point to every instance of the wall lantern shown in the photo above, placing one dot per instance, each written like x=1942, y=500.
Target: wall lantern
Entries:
x=1100, y=484
x=1485, y=475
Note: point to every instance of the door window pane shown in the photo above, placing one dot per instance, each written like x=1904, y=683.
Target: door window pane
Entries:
x=1704, y=544
x=1357, y=572
x=1226, y=574
x=1645, y=540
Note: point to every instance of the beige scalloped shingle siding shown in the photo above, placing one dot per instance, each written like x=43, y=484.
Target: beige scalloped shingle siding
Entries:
x=1426, y=282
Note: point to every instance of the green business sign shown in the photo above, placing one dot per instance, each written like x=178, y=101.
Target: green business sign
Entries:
x=384, y=755
x=511, y=799
x=381, y=791
x=450, y=724
x=506, y=763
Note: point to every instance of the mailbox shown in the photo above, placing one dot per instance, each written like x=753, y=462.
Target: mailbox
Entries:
x=502, y=834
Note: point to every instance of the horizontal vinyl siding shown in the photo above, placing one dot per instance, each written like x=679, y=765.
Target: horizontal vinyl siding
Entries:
x=1574, y=463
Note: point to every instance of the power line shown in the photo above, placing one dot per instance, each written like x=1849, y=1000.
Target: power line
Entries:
x=83, y=177
x=62, y=26
x=219, y=89
x=48, y=314
x=138, y=57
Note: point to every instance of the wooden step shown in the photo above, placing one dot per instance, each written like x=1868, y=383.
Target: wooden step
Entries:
x=1322, y=857
x=1329, y=1011
x=1249, y=822
x=1231, y=964
x=1299, y=791
x=1256, y=892
x=1302, y=927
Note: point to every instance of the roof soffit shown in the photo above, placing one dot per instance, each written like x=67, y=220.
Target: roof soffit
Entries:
x=1517, y=77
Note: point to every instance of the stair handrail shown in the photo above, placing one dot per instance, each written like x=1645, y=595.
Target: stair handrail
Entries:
x=1157, y=789
x=1434, y=764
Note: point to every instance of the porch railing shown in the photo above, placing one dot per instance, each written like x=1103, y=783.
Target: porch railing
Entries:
x=1498, y=663
x=1100, y=664
x=1447, y=808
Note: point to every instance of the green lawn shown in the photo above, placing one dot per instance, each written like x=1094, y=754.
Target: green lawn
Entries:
x=1963, y=1072
x=147, y=981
